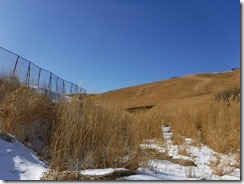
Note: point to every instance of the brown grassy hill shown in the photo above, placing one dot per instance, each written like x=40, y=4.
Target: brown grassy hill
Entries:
x=168, y=95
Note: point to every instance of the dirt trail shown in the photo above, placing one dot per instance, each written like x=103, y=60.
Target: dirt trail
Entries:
x=205, y=82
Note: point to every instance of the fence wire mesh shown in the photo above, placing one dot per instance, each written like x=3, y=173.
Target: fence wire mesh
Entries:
x=32, y=75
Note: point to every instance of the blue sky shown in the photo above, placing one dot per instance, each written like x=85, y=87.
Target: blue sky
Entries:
x=109, y=44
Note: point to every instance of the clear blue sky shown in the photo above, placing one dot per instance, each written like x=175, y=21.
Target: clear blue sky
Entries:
x=109, y=44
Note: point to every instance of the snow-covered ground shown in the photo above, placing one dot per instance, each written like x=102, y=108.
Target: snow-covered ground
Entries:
x=202, y=156
x=20, y=163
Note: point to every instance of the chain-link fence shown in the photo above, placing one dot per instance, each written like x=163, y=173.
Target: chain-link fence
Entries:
x=32, y=75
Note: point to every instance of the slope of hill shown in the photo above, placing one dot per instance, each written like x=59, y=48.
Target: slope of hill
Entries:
x=168, y=95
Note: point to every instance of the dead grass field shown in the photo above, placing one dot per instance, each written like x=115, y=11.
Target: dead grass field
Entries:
x=171, y=94
x=189, y=106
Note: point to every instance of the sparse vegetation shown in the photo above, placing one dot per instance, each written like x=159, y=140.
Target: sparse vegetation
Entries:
x=221, y=170
x=190, y=172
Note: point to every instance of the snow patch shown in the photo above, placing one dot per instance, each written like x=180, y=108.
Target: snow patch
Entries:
x=100, y=171
x=19, y=162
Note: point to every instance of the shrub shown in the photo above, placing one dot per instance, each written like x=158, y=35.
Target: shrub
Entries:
x=228, y=95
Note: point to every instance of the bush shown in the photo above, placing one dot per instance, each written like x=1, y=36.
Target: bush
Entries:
x=229, y=95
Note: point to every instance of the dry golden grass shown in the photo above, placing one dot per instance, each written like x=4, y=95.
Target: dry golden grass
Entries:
x=78, y=134
x=216, y=125
x=227, y=167
x=221, y=128
x=183, y=150
x=28, y=115
x=171, y=94
x=7, y=85
x=82, y=134
x=238, y=159
x=148, y=124
x=187, y=123
x=92, y=136
x=222, y=170
x=188, y=105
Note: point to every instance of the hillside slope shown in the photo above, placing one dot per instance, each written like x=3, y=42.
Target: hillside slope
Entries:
x=168, y=95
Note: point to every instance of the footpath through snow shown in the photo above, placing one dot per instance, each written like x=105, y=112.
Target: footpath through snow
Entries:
x=201, y=156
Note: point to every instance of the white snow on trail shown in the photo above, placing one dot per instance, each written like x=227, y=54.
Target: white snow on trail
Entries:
x=202, y=156
x=18, y=162
x=100, y=171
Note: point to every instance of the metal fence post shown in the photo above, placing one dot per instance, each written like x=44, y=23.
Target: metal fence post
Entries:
x=57, y=86
x=50, y=82
x=39, y=76
x=71, y=88
x=15, y=65
x=63, y=87
x=28, y=75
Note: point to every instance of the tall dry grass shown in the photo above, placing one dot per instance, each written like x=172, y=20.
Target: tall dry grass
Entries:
x=148, y=124
x=91, y=136
x=221, y=128
x=187, y=123
x=215, y=124
x=77, y=134
x=81, y=134
x=7, y=85
x=28, y=116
